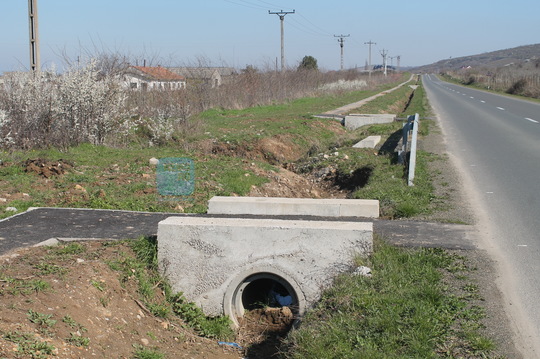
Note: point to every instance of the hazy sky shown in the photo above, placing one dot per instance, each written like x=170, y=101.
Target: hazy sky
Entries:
x=241, y=32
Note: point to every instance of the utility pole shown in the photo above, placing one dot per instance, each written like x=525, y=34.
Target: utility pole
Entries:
x=281, y=15
x=370, y=43
x=341, y=41
x=384, y=54
x=398, y=62
x=34, y=38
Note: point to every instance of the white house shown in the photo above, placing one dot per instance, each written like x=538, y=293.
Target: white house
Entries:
x=152, y=78
x=208, y=76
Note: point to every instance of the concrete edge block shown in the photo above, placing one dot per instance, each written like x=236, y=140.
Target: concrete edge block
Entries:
x=276, y=206
x=368, y=142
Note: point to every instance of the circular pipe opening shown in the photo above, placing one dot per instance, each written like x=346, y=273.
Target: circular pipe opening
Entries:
x=259, y=286
x=270, y=291
x=264, y=290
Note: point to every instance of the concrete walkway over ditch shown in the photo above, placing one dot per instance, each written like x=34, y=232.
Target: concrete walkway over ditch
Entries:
x=35, y=226
x=347, y=108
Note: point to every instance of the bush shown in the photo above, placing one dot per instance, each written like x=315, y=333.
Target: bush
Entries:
x=517, y=87
x=45, y=109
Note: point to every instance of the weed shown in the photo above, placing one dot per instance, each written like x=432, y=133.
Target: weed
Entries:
x=43, y=320
x=104, y=301
x=218, y=327
x=30, y=347
x=47, y=268
x=73, y=324
x=19, y=286
x=78, y=340
x=98, y=285
x=145, y=353
x=68, y=249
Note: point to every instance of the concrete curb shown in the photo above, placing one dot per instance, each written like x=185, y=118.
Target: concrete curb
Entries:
x=274, y=206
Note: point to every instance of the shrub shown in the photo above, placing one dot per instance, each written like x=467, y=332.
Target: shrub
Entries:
x=44, y=109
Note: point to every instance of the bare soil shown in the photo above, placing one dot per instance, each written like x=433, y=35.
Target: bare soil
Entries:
x=86, y=299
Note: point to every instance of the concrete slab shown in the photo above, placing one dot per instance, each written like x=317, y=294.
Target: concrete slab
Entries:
x=354, y=121
x=223, y=264
x=276, y=206
x=368, y=142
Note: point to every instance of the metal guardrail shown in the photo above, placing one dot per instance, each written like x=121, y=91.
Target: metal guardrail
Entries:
x=410, y=129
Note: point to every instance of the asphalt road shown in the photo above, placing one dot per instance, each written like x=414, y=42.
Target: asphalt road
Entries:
x=496, y=142
x=41, y=224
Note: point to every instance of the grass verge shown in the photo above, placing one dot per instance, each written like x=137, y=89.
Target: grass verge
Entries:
x=404, y=310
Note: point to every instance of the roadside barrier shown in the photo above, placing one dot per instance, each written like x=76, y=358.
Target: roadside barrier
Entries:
x=410, y=130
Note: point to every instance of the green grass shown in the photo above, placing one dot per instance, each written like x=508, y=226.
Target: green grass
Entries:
x=402, y=311
x=147, y=353
x=121, y=178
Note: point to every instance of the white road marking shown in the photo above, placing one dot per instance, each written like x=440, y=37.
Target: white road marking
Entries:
x=501, y=108
x=482, y=101
x=530, y=119
x=471, y=97
x=522, y=245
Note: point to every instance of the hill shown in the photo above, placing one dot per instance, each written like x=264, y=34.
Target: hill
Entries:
x=494, y=59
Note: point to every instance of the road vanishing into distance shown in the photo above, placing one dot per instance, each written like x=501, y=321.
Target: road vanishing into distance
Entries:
x=495, y=141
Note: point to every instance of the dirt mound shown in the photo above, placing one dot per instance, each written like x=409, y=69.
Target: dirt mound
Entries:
x=46, y=168
x=69, y=303
x=261, y=330
x=285, y=183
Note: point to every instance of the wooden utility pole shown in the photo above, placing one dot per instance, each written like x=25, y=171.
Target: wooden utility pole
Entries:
x=341, y=41
x=281, y=15
x=34, y=38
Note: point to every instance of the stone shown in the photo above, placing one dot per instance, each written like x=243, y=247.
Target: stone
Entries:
x=362, y=271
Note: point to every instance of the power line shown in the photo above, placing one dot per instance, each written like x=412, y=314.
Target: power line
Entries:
x=323, y=31
x=246, y=4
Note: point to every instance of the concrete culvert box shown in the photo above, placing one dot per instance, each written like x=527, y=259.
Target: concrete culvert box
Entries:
x=228, y=265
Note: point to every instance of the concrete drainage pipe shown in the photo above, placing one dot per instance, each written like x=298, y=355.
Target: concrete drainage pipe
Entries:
x=266, y=286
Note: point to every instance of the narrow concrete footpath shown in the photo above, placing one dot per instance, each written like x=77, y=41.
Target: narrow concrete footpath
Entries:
x=38, y=225
x=345, y=109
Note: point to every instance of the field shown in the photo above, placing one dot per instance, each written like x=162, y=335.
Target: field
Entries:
x=106, y=299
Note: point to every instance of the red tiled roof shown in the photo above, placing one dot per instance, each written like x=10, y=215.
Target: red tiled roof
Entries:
x=160, y=73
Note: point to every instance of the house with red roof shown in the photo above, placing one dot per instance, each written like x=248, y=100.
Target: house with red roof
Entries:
x=152, y=78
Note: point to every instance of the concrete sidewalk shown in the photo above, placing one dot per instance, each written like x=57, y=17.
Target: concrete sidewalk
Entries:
x=347, y=108
x=38, y=225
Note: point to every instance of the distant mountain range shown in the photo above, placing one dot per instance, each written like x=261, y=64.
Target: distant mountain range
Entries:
x=494, y=59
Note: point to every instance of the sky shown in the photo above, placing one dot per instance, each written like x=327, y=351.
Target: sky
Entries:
x=238, y=33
